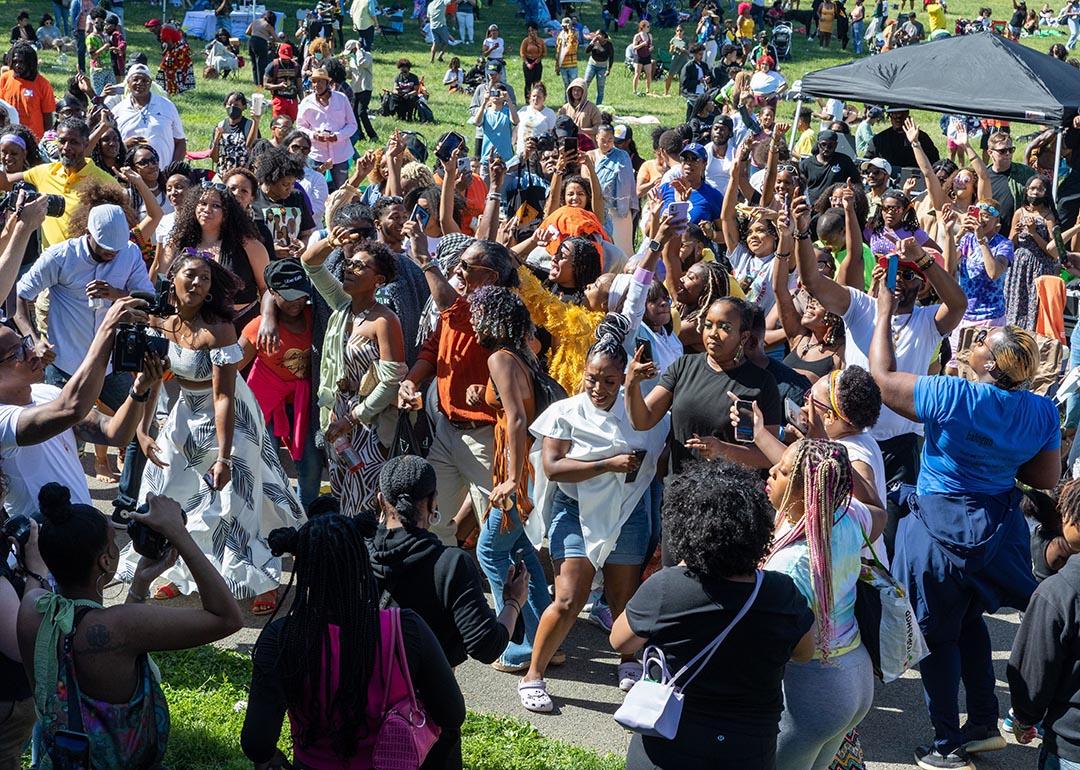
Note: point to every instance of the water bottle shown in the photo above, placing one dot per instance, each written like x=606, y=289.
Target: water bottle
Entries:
x=348, y=455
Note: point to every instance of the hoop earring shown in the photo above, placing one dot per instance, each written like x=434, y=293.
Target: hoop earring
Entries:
x=436, y=517
x=209, y=297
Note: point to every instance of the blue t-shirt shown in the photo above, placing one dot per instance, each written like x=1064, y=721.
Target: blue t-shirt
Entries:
x=705, y=201
x=497, y=134
x=978, y=435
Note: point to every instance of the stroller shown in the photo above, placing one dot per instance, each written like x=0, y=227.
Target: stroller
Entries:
x=781, y=40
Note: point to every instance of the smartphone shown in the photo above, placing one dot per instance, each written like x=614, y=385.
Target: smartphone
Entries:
x=679, y=209
x=570, y=143
x=890, y=274
x=73, y=748
x=420, y=215
x=744, y=429
x=631, y=477
x=446, y=147
x=974, y=211
x=646, y=351
x=464, y=164
x=794, y=414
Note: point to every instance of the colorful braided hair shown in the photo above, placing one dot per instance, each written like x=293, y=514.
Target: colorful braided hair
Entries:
x=824, y=470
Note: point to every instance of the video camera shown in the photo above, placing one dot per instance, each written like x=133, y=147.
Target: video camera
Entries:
x=132, y=343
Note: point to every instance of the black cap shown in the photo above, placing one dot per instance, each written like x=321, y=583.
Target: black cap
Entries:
x=565, y=126
x=287, y=278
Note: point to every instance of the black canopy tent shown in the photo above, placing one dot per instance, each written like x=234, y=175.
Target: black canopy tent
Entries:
x=983, y=75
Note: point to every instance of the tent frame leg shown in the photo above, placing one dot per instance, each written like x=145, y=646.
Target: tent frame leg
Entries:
x=795, y=120
x=1057, y=162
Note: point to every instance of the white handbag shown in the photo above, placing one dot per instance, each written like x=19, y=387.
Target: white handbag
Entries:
x=654, y=708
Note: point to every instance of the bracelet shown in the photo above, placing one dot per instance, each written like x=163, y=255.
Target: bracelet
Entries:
x=802, y=236
x=513, y=603
x=431, y=264
x=35, y=576
x=783, y=256
x=136, y=397
x=494, y=196
x=226, y=461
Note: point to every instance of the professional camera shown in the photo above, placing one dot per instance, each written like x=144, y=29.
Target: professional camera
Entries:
x=146, y=541
x=18, y=529
x=55, y=208
x=132, y=343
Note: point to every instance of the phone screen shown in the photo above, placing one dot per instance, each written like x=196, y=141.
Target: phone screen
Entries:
x=890, y=275
x=570, y=143
x=646, y=351
x=794, y=415
x=1063, y=252
x=420, y=215
x=450, y=143
x=744, y=430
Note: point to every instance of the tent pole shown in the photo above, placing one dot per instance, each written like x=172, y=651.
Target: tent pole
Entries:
x=1057, y=161
x=795, y=122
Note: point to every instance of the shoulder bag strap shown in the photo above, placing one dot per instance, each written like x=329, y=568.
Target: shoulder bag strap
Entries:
x=74, y=701
x=714, y=645
x=391, y=642
x=400, y=651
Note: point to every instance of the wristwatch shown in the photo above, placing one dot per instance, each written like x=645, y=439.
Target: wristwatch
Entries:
x=655, y=245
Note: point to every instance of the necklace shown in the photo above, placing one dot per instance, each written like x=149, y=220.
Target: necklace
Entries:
x=806, y=346
x=358, y=318
x=188, y=339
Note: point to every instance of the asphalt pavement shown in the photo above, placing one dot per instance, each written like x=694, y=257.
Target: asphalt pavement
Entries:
x=586, y=694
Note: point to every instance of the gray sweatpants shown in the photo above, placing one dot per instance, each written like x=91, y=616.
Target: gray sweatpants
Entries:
x=822, y=702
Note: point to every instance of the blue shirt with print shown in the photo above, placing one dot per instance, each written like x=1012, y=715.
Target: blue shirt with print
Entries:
x=986, y=295
x=978, y=435
x=705, y=201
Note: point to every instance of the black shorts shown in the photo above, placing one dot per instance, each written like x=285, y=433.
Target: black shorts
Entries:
x=644, y=59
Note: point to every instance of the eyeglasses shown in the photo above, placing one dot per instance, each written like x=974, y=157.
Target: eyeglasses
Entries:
x=21, y=353
x=469, y=266
x=817, y=404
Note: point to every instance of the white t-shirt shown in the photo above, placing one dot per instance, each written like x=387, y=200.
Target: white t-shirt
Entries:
x=498, y=47
x=533, y=123
x=759, y=271
x=861, y=447
x=718, y=170
x=834, y=107
x=28, y=468
x=917, y=340
x=164, y=228
x=158, y=123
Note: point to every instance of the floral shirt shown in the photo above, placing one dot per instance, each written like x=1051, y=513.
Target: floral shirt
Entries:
x=986, y=295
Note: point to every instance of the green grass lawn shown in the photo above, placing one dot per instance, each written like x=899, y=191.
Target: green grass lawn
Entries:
x=207, y=688
x=202, y=108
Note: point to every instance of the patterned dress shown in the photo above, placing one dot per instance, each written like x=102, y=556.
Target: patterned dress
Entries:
x=1029, y=263
x=229, y=526
x=356, y=489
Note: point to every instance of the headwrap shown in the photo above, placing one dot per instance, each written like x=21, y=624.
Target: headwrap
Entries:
x=14, y=139
x=834, y=388
x=572, y=222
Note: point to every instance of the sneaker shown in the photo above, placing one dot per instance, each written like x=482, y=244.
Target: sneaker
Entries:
x=629, y=674
x=601, y=617
x=929, y=758
x=980, y=739
x=1008, y=723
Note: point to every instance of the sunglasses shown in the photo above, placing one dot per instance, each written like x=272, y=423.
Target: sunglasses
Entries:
x=208, y=185
x=389, y=200
x=468, y=267
x=907, y=274
x=892, y=208
x=357, y=266
x=21, y=353
x=980, y=337
x=817, y=404
x=146, y=162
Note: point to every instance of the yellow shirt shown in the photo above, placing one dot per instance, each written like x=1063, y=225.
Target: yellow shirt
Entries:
x=937, y=17
x=746, y=27
x=804, y=145
x=54, y=179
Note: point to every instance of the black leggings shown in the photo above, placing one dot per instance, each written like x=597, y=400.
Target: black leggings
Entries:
x=703, y=745
x=259, y=51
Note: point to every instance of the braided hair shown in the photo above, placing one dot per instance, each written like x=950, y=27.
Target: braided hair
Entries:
x=823, y=472
x=502, y=322
x=610, y=335
x=910, y=220
x=586, y=264
x=334, y=585
x=403, y=482
x=716, y=286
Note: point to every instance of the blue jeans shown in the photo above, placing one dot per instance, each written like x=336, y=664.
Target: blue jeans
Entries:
x=600, y=73
x=309, y=468
x=568, y=74
x=858, y=28
x=496, y=550
x=1048, y=761
x=61, y=18
x=1074, y=32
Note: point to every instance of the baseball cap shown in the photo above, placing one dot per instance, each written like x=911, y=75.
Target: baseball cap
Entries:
x=493, y=67
x=620, y=132
x=874, y=112
x=113, y=19
x=881, y=163
x=827, y=136
x=565, y=126
x=285, y=51
x=108, y=226
x=695, y=149
x=138, y=69
x=493, y=27
x=152, y=23
x=287, y=278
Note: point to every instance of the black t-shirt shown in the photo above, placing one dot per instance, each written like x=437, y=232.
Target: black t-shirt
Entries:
x=285, y=219
x=678, y=612
x=700, y=402
x=1002, y=186
x=894, y=147
x=789, y=383
x=233, y=149
x=820, y=176
x=601, y=53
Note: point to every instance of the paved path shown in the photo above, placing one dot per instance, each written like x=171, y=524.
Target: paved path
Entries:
x=586, y=694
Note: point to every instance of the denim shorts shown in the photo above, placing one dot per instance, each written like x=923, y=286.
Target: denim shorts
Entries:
x=566, y=541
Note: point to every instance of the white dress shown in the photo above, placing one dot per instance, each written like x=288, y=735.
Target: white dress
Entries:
x=229, y=526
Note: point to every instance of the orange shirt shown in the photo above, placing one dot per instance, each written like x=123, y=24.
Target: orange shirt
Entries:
x=460, y=361
x=32, y=99
x=475, y=198
x=292, y=360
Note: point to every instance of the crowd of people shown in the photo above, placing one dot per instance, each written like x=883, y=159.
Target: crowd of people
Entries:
x=688, y=394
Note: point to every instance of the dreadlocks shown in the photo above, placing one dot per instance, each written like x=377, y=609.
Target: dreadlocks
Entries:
x=610, y=335
x=334, y=586
x=822, y=471
x=716, y=287
x=585, y=261
x=502, y=322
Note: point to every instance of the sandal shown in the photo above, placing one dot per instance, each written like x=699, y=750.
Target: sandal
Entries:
x=167, y=591
x=534, y=697
x=558, y=658
x=509, y=668
x=265, y=603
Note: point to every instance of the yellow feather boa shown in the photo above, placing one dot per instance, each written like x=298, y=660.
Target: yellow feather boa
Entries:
x=572, y=330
